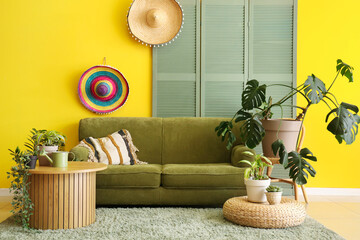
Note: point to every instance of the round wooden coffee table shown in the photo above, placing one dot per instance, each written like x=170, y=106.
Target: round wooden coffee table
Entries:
x=288, y=213
x=64, y=197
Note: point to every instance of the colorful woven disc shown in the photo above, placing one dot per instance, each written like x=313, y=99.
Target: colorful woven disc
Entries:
x=103, y=89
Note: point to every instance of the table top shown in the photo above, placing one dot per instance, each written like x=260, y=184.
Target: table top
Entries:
x=73, y=167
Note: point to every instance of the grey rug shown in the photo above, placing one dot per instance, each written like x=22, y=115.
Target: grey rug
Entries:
x=167, y=223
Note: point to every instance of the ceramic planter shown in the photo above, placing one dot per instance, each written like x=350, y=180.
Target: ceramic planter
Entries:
x=48, y=149
x=273, y=197
x=288, y=132
x=256, y=190
x=32, y=162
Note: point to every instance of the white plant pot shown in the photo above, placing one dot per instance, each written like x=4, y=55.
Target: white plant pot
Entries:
x=256, y=190
x=273, y=197
x=48, y=149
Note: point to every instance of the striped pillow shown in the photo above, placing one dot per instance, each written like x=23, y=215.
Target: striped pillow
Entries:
x=115, y=149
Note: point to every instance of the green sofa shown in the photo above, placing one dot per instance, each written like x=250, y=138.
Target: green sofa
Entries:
x=188, y=163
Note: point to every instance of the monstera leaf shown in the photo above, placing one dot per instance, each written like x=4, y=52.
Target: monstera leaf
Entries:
x=254, y=95
x=224, y=130
x=242, y=115
x=345, y=70
x=345, y=125
x=252, y=132
x=279, y=147
x=314, y=89
x=299, y=167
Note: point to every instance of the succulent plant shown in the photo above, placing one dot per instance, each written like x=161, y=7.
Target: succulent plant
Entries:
x=273, y=188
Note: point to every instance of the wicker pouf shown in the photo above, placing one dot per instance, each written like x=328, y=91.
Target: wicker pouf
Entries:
x=288, y=213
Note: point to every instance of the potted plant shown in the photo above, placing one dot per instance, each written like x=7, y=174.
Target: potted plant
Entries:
x=255, y=179
x=19, y=187
x=33, y=149
x=48, y=141
x=256, y=111
x=273, y=194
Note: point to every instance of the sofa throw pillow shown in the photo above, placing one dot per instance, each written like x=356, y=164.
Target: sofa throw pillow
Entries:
x=115, y=149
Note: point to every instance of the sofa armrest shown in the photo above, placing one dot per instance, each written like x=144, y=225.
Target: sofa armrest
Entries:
x=237, y=154
x=81, y=153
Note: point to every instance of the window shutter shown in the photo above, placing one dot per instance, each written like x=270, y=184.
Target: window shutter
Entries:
x=271, y=47
x=272, y=56
x=176, y=69
x=222, y=57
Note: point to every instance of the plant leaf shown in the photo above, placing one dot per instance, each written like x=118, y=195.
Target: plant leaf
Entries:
x=345, y=125
x=279, y=147
x=314, y=89
x=242, y=115
x=254, y=95
x=345, y=70
x=223, y=130
x=299, y=167
x=252, y=132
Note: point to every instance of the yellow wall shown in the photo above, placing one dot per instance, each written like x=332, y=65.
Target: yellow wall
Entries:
x=328, y=30
x=46, y=45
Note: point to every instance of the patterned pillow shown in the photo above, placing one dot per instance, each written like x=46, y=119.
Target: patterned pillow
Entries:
x=115, y=149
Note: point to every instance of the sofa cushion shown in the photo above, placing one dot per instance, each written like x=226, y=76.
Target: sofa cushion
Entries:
x=137, y=176
x=215, y=175
x=115, y=149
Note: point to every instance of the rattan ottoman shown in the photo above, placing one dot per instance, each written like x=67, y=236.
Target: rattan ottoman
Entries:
x=288, y=213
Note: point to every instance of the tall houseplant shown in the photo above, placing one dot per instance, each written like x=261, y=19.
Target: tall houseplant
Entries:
x=256, y=107
x=19, y=186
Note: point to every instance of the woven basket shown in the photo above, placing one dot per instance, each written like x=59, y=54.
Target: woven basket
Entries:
x=288, y=213
x=273, y=197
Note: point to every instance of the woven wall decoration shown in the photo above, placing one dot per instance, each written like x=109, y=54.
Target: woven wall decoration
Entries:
x=103, y=89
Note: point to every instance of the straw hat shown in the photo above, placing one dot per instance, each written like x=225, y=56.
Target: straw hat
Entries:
x=155, y=22
x=103, y=89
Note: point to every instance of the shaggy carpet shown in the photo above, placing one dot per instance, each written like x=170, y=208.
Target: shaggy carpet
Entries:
x=167, y=223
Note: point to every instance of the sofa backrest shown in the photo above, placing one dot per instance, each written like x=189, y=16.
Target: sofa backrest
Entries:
x=192, y=140
x=165, y=140
x=145, y=132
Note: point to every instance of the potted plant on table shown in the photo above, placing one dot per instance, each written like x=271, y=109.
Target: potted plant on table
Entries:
x=33, y=149
x=48, y=141
x=273, y=194
x=256, y=113
x=255, y=179
x=19, y=187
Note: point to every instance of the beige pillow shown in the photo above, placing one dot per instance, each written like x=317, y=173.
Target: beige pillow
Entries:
x=115, y=149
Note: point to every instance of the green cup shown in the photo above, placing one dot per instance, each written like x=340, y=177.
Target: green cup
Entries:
x=59, y=159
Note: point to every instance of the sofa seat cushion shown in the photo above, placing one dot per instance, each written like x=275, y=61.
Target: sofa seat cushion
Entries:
x=137, y=176
x=215, y=175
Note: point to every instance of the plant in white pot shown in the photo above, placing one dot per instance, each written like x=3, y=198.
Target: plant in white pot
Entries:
x=48, y=141
x=255, y=179
x=256, y=113
x=273, y=194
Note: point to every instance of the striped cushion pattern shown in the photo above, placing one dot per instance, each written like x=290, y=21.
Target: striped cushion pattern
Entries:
x=115, y=149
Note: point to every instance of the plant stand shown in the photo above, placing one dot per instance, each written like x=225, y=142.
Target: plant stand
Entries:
x=286, y=180
x=288, y=213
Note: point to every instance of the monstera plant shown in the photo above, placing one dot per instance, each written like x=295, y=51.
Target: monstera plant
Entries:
x=342, y=119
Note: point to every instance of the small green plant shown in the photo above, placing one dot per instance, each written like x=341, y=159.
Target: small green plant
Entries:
x=19, y=187
x=257, y=167
x=273, y=188
x=49, y=138
x=32, y=144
